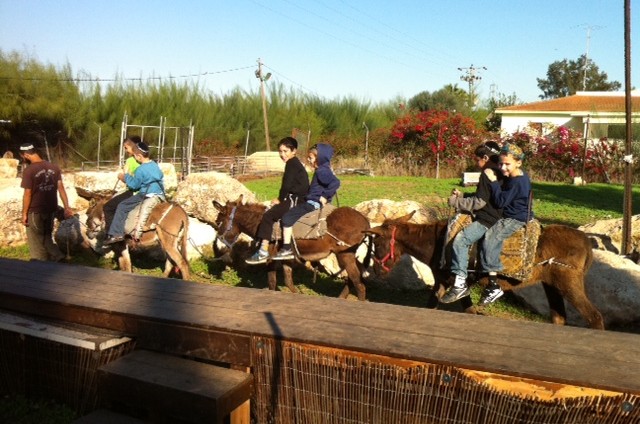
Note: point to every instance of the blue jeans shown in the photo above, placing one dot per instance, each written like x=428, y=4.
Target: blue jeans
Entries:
x=116, y=229
x=294, y=214
x=493, y=240
x=461, y=244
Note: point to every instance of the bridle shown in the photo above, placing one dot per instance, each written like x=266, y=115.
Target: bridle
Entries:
x=391, y=256
x=221, y=237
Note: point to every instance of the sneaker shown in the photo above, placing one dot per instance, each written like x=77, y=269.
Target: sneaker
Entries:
x=454, y=293
x=490, y=294
x=112, y=239
x=284, y=255
x=257, y=258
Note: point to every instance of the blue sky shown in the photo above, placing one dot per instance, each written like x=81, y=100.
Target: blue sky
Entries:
x=372, y=50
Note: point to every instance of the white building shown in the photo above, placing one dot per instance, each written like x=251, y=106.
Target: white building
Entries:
x=594, y=113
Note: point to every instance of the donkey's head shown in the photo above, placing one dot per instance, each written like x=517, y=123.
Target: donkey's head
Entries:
x=95, y=213
x=225, y=224
x=386, y=250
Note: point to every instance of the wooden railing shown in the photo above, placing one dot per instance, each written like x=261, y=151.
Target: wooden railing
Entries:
x=356, y=361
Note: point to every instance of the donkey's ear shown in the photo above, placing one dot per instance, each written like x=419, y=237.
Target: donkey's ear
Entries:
x=219, y=206
x=85, y=194
x=406, y=217
x=239, y=201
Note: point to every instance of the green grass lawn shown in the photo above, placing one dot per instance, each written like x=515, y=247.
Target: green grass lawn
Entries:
x=556, y=203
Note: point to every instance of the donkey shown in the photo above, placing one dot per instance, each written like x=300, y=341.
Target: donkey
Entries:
x=345, y=233
x=166, y=227
x=563, y=258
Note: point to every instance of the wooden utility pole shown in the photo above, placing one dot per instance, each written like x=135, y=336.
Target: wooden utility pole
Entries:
x=628, y=167
x=471, y=77
x=264, y=102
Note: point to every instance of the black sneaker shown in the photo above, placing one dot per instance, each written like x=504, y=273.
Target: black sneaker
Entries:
x=454, y=293
x=112, y=240
x=284, y=255
x=257, y=258
x=490, y=294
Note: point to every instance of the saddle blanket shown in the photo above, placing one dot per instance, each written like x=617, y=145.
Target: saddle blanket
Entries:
x=518, y=251
x=137, y=218
x=311, y=226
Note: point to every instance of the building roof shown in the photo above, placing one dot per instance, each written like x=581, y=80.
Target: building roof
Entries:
x=583, y=102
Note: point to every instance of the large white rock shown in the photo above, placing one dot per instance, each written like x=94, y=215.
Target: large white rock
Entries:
x=607, y=234
x=12, y=232
x=201, y=235
x=377, y=210
x=612, y=284
x=197, y=191
x=108, y=180
x=8, y=167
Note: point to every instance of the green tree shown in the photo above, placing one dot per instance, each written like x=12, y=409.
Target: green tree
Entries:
x=493, y=121
x=450, y=98
x=565, y=77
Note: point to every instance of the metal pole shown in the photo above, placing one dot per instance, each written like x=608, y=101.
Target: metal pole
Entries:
x=366, y=146
x=264, y=103
x=99, y=141
x=628, y=167
x=246, y=147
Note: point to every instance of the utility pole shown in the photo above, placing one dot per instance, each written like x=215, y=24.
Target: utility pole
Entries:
x=264, y=102
x=627, y=207
x=471, y=77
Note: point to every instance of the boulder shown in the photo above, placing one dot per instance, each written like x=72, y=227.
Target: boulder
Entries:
x=612, y=284
x=12, y=232
x=8, y=168
x=197, y=192
x=607, y=234
x=108, y=180
x=376, y=211
x=201, y=235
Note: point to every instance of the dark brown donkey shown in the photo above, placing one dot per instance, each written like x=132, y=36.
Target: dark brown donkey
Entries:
x=345, y=233
x=167, y=228
x=563, y=257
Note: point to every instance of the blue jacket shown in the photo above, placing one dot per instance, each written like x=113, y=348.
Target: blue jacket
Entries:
x=147, y=179
x=513, y=197
x=324, y=183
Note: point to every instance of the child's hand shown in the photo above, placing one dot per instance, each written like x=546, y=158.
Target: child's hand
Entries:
x=456, y=192
x=323, y=200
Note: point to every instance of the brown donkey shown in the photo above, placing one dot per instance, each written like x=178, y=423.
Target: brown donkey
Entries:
x=563, y=258
x=167, y=228
x=345, y=232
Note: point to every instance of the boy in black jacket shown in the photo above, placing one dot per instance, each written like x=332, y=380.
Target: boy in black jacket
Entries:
x=295, y=185
x=324, y=185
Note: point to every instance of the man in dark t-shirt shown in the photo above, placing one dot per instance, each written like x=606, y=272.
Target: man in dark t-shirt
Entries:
x=41, y=181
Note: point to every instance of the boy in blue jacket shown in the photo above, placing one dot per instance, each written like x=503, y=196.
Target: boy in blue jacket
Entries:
x=147, y=181
x=323, y=187
x=514, y=197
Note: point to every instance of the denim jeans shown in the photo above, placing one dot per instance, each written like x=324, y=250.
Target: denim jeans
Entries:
x=120, y=218
x=493, y=240
x=461, y=244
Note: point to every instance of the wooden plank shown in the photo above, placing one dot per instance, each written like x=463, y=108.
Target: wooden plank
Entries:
x=531, y=350
x=85, y=338
x=104, y=416
x=175, y=387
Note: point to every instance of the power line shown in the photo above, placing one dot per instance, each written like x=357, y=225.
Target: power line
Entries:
x=98, y=79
